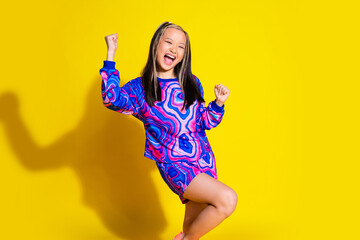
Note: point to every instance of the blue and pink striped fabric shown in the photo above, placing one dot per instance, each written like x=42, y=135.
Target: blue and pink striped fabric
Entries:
x=172, y=134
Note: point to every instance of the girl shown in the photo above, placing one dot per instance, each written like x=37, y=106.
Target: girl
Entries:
x=169, y=100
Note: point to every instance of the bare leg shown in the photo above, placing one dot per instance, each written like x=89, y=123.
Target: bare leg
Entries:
x=221, y=202
x=192, y=210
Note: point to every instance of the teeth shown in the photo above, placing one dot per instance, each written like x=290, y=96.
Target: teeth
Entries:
x=170, y=56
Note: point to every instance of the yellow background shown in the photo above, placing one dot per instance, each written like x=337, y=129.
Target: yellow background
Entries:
x=288, y=143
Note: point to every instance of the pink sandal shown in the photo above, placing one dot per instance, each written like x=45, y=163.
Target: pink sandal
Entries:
x=179, y=236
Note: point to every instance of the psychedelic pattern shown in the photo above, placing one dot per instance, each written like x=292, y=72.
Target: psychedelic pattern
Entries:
x=178, y=175
x=172, y=134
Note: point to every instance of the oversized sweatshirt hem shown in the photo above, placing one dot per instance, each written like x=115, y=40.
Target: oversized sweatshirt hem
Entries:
x=149, y=156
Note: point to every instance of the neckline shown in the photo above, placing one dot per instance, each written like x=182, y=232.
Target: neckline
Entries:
x=167, y=79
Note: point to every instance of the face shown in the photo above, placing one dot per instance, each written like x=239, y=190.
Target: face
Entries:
x=171, y=43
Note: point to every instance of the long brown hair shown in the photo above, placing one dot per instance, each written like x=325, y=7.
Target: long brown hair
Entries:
x=182, y=71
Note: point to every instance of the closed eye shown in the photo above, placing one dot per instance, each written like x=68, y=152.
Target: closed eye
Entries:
x=171, y=43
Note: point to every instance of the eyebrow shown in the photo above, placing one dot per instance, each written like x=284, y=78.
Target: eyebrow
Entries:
x=171, y=40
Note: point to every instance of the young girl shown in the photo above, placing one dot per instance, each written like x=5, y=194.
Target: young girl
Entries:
x=169, y=100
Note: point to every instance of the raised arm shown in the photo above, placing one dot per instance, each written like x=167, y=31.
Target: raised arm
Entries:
x=211, y=115
x=120, y=99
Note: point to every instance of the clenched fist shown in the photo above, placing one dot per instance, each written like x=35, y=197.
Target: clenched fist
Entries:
x=111, y=42
x=221, y=93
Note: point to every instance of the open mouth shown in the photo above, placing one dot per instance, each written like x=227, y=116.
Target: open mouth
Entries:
x=168, y=59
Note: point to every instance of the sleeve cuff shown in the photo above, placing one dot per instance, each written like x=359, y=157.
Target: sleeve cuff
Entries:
x=109, y=64
x=217, y=108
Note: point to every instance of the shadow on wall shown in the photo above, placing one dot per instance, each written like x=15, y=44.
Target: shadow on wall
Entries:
x=106, y=152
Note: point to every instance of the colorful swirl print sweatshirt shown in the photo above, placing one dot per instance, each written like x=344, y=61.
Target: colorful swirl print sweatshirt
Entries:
x=172, y=134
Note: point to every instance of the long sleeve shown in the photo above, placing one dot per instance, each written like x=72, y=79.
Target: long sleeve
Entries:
x=120, y=99
x=211, y=115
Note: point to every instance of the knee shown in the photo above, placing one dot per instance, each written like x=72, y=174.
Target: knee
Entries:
x=227, y=202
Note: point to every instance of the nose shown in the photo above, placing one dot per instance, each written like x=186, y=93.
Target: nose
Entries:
x=172, y=49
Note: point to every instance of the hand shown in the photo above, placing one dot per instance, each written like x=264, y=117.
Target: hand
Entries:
x=221, y=93
x=111, y=42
